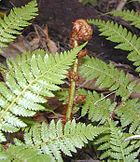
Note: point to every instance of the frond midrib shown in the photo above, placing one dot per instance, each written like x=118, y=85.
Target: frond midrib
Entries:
x=129, y=42
x=122, y=151
x=121, y=147
x=60, y=138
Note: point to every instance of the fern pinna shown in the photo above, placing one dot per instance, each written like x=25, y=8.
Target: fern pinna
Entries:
x=130, y=16
x=114, y=145
x=131, y=118
x=53, y=139
x=11, y=25
x=127, y=41
x=107, y=76
x=97, y=106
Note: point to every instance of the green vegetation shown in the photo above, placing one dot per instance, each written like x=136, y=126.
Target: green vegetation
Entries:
x=33, y=77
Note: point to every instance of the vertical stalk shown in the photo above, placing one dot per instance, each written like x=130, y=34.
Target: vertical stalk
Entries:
x=72, y=92
x=81, y=32
x=72, y=88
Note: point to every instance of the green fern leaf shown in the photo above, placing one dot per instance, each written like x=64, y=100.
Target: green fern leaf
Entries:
x=22, y=154
x=99, y=108
x=129, y=114
x=127, y=41
x=12, y=24
x=128, y=15
x=56, y=138
x=27, y=84
x=107, y=76
x=114, y=146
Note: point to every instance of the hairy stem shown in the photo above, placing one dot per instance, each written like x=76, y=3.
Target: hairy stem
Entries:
x=72, y=88
x=72, y=92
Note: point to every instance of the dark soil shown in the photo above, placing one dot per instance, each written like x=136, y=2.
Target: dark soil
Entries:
x=59, y=15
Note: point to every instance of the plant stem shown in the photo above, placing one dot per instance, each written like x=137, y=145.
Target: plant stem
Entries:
x=81, y=32
x=72, y=92
x=72, y=88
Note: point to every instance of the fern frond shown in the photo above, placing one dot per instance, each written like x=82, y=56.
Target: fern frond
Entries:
x=114, y=146
x=132, y=16
x=56, y=138
x=129, y=114
x=107, y=76
x=11, y=25
x=27, y=85
x=22, y=154
x=118, y=34
x=99, y=108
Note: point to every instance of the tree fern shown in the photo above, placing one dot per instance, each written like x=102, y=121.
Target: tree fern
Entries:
x=26, y=86
x=114, y=146
x=97, y=106
x=127, y=41
x=54, y=138
x=107, y=76
x=11, y=25
x=128, y=15
x=129, y=113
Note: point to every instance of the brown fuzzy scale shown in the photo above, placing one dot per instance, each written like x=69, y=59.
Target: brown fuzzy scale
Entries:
x=79, y=99
x=73, y=76
x=82, y=53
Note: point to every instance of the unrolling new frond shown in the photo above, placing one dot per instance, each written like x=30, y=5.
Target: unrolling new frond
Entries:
x=114, y=146
x=107, y=76
x=132, y=16
x=28, y=83
x=97, y=106
x=11, y=25
x=127, y=41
